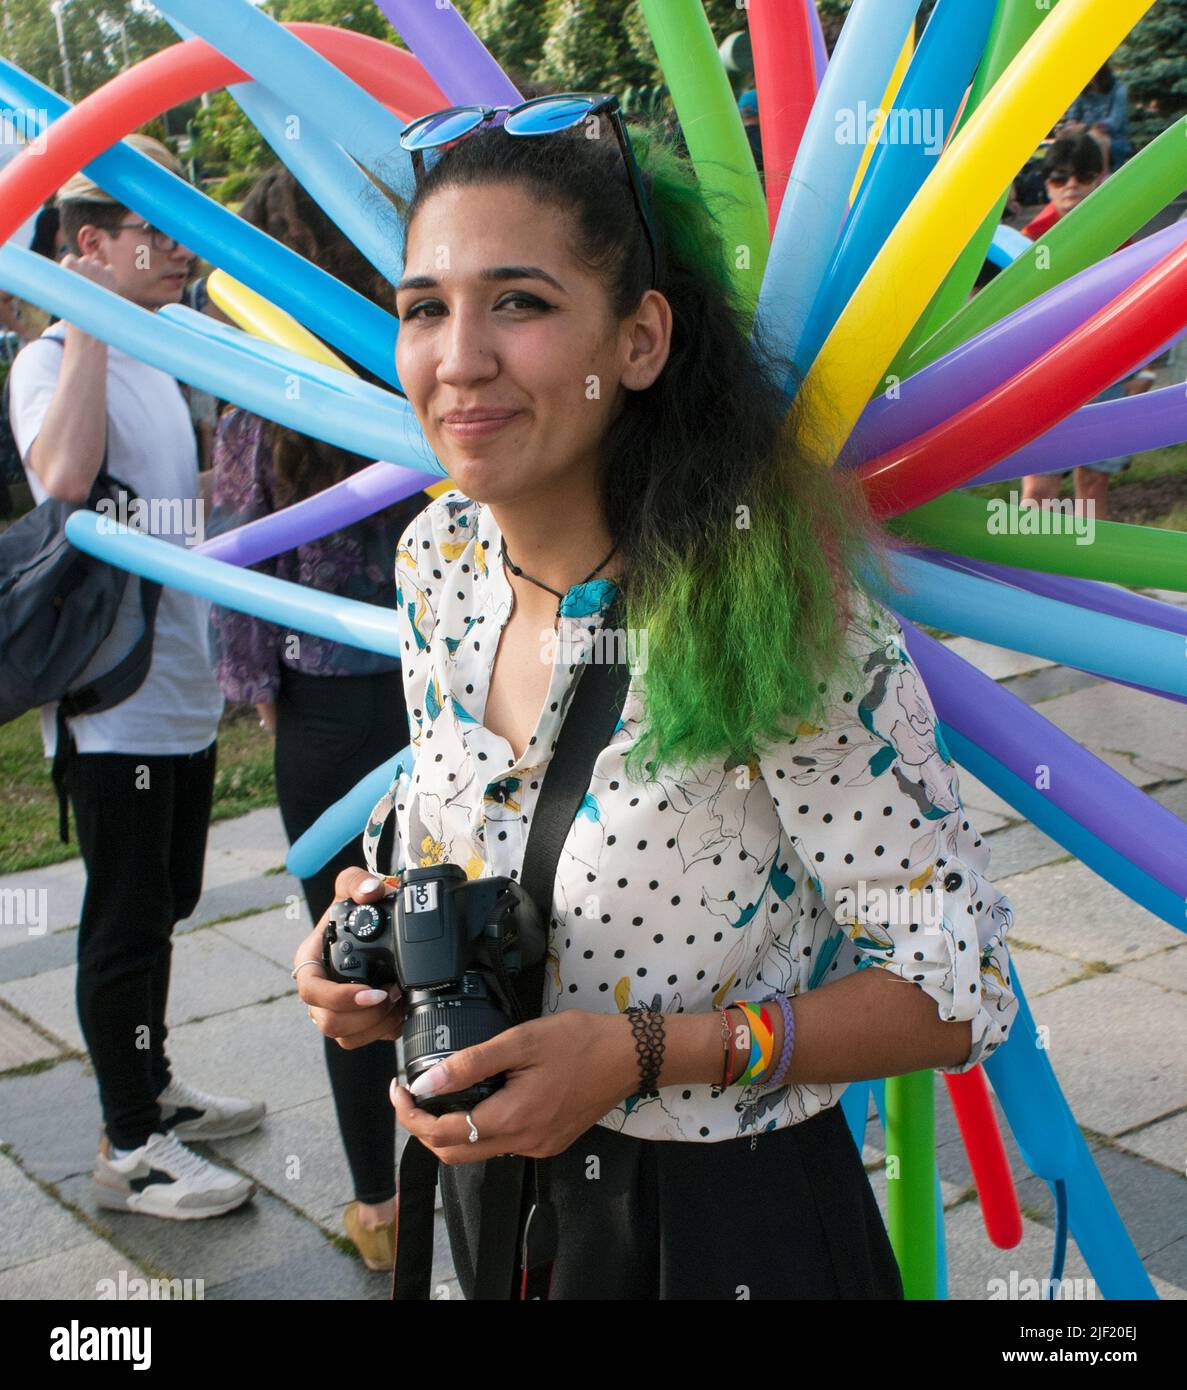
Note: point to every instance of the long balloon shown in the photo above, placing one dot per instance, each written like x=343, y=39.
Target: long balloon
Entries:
x=1036, y=89
x=295, y=607
x=785, y=80
x=1104, y=348
x=345, y=820
x=451, y=53
x=818, y=195
x=261, y=318
x=1117, y=210
x=977, y=1123
x=1146, y=557
x=987, y=361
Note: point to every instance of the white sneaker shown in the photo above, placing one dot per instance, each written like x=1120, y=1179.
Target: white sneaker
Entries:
x=192, y=1114
x=164, y=1178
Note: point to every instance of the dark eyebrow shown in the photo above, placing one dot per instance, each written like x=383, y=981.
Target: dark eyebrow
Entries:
x=495, y=272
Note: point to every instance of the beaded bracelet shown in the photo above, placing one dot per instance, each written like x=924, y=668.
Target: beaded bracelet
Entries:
x=648, y=1029
x=784, y=1062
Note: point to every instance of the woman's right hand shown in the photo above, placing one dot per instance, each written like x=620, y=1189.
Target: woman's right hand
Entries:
x=353, y=1015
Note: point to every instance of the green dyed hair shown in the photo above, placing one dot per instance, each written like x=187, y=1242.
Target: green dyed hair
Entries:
x=745, y=552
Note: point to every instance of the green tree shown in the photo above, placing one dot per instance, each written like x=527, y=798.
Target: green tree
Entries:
x=102, y=37
x=1153, y=64
x=513, y=31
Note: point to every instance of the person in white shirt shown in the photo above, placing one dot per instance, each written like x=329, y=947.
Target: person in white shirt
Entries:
x=141, y=774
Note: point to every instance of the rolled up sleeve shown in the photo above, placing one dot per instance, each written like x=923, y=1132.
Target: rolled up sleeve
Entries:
x=872, y=806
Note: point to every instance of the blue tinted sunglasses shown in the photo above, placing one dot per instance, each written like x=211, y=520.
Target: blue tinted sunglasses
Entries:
x=540, y=116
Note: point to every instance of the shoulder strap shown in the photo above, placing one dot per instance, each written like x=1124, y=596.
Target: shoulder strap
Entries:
x=593, y=714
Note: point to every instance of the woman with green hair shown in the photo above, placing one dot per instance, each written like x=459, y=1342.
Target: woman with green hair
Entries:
x=774, y=812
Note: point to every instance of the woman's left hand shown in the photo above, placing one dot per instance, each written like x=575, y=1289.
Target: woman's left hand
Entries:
x=563, y=1074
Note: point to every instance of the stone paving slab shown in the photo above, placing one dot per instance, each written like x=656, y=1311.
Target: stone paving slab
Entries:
x=1068, y=909
x=54, y=951
x=1041, y=971
x=974, y=1262
x=1166, y=968
x=34, y=1225
x=996, y=662
x=274, y=935
x=1115, y=717
x=51, y=1120
x=1163, y=1142
x=1115, y=1045
x=1019, y=849
x=59, y=886
x=210, y=975
x=20, y=1044
x=71, y=1274
x=1034, y=687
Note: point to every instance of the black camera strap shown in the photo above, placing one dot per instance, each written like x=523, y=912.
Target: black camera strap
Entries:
x=518, y=1228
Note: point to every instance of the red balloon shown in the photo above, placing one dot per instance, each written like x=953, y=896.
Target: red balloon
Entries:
x=1103, y=349
x=178, y=74
x=785, y=79
x=969, y=1095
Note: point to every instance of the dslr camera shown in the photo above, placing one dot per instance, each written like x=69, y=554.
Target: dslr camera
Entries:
x=454, y=946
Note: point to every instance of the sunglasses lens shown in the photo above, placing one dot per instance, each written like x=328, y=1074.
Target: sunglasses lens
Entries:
x=554, y=113
x=441, y=128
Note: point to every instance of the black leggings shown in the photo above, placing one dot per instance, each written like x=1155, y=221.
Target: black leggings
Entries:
x=330, y=732
x=142, y=821
x=794, y=1217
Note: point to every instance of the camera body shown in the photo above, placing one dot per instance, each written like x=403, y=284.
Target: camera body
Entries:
x=454, y=946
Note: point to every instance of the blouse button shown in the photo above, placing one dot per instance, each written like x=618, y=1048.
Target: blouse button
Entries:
x=953, y=882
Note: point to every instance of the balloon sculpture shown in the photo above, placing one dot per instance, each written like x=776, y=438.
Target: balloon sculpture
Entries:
x=862, y=255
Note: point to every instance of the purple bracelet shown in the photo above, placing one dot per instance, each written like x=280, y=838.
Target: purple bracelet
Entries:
x=788, y=1039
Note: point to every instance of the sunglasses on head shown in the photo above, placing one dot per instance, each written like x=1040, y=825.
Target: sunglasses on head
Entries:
x=540, y=116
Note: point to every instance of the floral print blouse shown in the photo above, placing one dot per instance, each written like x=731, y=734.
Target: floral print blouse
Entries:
x=846, y=847
x=355, y=562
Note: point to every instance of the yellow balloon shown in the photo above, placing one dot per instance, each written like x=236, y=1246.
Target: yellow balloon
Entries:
x=1029, y=97
x=896, y=81
x=262, y=319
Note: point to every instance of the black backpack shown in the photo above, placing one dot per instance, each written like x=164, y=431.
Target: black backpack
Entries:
x=57, y=606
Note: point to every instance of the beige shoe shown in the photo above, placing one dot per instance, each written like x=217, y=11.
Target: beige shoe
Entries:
x=377, y=1247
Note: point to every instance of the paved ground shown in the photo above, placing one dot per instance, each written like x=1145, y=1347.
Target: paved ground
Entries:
x=1107, y=979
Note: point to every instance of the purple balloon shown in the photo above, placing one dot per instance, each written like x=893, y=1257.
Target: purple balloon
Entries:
x=1082, y=786
x=361, y=495
x=452, y=53
x=819, y=48
x=1021, y=579
x=980, y=366
x=1109, y=429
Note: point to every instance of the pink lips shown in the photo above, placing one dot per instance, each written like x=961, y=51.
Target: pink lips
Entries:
x=479, y=423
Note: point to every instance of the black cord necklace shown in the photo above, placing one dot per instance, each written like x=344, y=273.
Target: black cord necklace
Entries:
x=519, y=574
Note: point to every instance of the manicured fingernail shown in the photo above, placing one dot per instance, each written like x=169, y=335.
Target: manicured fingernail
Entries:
x=367, y=997
x=368, y=885
x=430, y=1083
x=393, y=1089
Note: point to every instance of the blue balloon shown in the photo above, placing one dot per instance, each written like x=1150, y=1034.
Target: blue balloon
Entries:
x=1007, y=245
x=379, y=425
x=291, y=606
x=934, y=84
x=816, y=200
x=300, y=77
x=346, y=819
x=1025, y=622
x=323, y=304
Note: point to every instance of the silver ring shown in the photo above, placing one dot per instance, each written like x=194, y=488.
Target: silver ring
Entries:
x=301, y=965
x=473, y=1129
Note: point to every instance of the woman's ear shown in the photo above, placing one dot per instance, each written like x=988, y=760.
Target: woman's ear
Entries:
x=649, y=333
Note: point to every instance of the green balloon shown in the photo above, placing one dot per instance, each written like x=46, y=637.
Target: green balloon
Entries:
x=1013, y=25
x=714, y=134
x=910, y=1197
x=1105, y=220
x=1140, y=556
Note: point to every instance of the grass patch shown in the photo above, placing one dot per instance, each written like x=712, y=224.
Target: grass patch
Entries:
x=243, y=782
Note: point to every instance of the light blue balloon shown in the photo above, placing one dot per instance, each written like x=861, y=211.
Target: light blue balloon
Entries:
x=308, y=84
x=377, y=426
x=346, y=819
x=1007, y=245
x=1051, y=1144
x=328, y=174
x=932, y=89
x=332, y=310
x=1024, y=622
x=294, y=607
x=816, y=201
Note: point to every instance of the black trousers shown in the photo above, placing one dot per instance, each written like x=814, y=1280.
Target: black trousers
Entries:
x=330, y=732
x=142, y=821
x=794, y=1217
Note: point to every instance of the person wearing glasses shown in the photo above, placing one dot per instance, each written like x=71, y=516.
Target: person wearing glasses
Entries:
x=771, y=887
x=141, y=774
x=1073, y=169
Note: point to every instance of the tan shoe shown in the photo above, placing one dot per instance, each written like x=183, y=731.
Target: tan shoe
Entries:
x=377, y=1247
